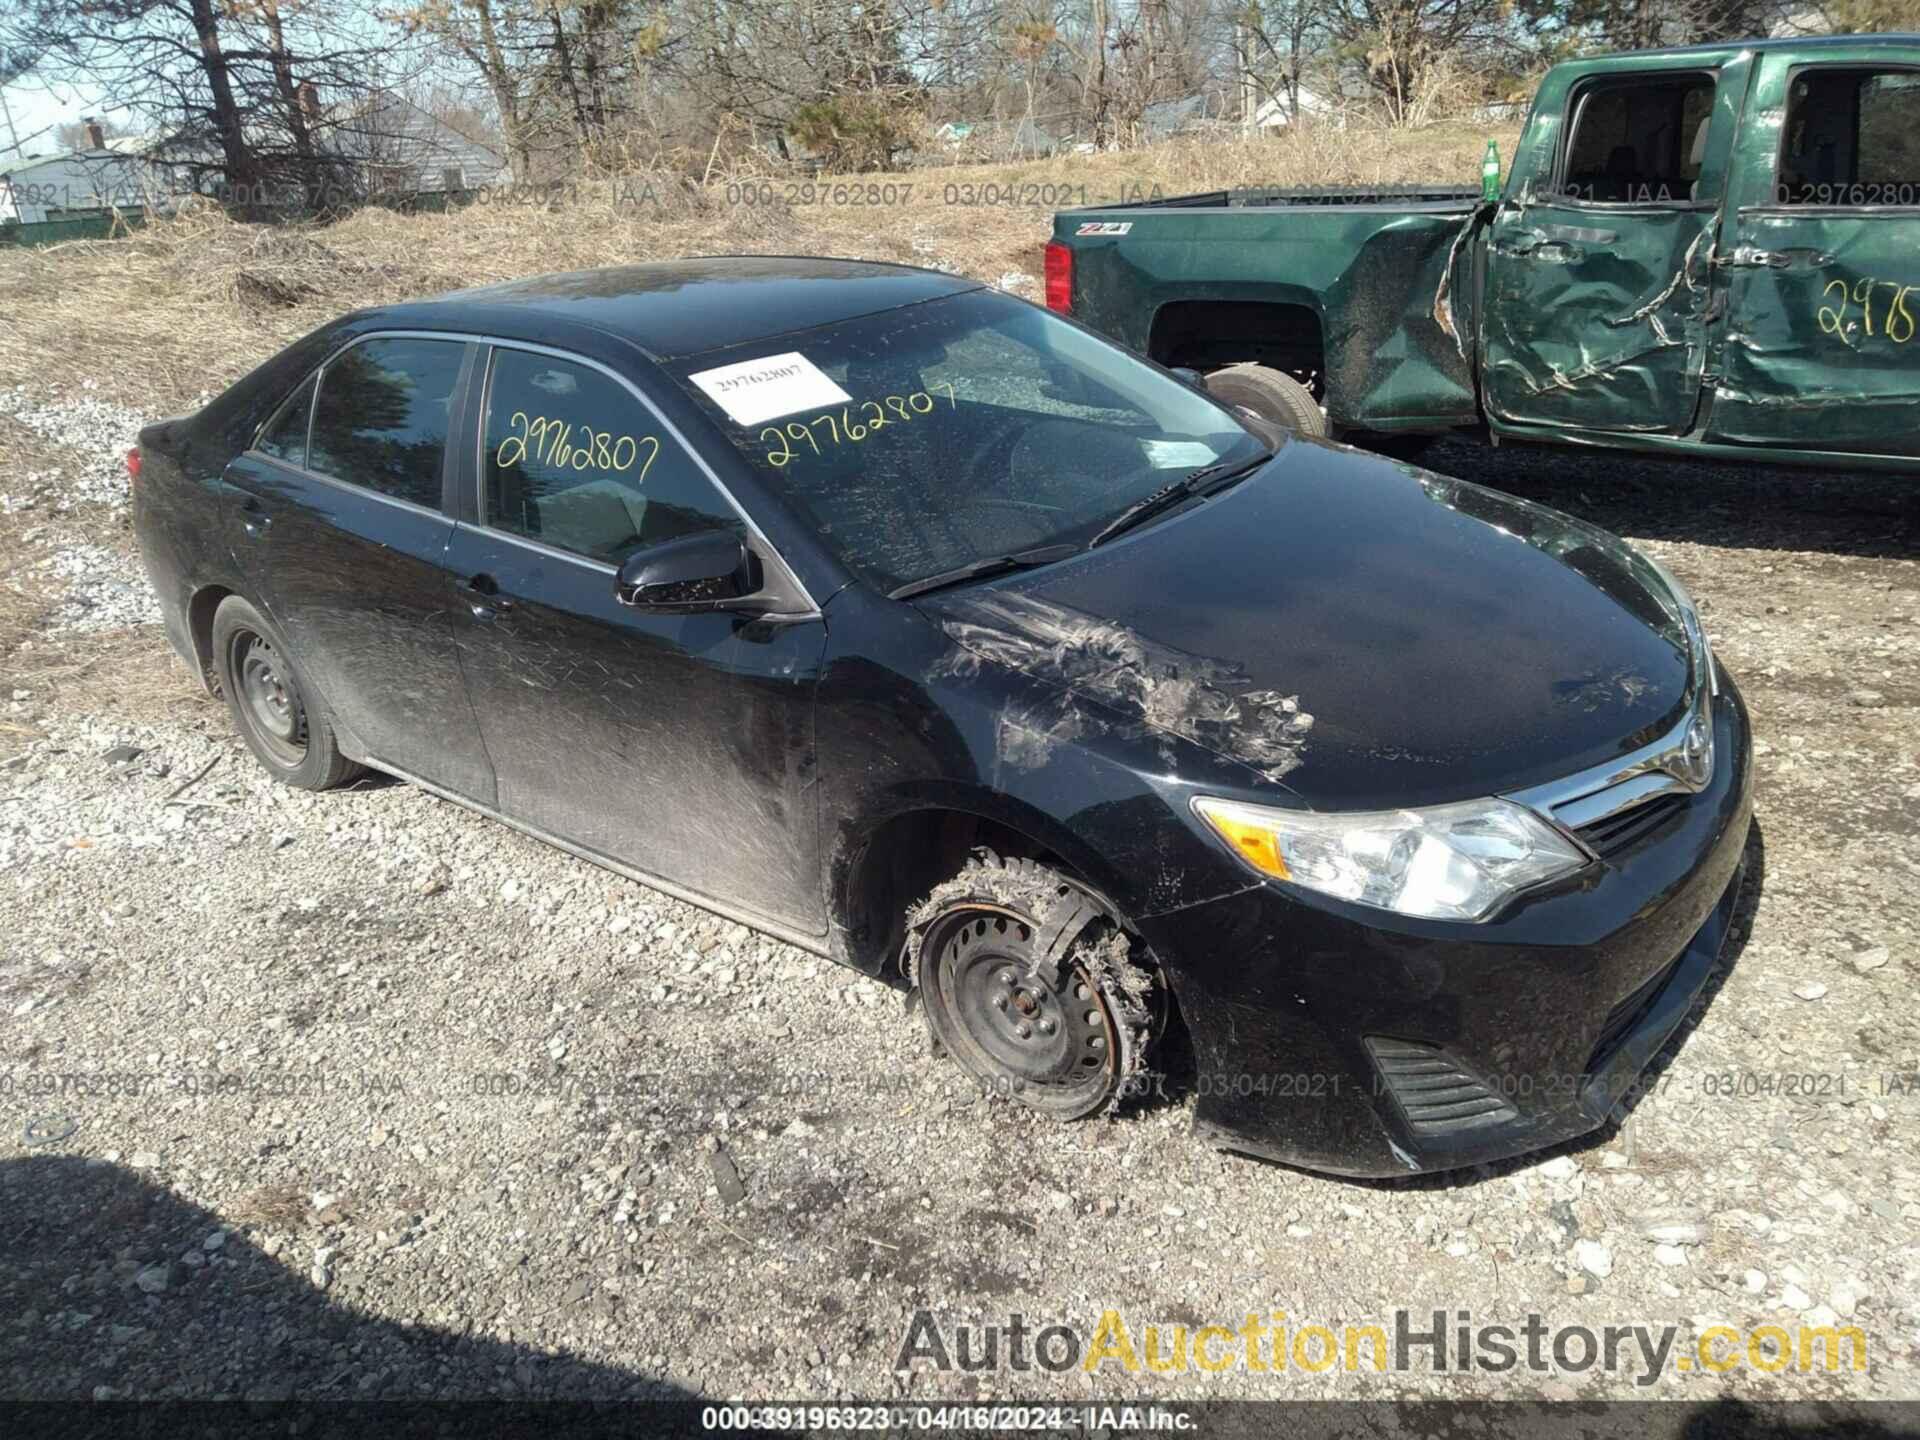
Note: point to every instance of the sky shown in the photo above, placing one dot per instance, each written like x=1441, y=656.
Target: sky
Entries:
x=33, y=105
x=36, y=102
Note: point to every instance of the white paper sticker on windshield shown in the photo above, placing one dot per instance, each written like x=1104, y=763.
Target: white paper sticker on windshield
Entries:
x=1178, y=454
x=756, y=390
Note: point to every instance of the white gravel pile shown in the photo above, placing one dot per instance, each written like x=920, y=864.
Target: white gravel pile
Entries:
x=107, y=590
x=97, y=432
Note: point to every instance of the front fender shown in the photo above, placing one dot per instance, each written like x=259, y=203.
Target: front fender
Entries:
x=904, y=730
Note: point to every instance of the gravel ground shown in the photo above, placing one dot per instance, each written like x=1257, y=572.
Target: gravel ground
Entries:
x=365, y=1095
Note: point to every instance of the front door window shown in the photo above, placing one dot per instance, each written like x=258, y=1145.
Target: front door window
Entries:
x=574, y=461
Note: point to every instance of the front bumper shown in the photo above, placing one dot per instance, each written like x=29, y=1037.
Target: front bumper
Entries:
x=1321, y=1029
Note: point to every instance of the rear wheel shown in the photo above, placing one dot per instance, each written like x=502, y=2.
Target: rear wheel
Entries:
x=1026, y=981
x=278, y=714
x=1270, y=395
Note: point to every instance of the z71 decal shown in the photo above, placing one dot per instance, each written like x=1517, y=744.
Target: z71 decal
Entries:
x=1105, y=227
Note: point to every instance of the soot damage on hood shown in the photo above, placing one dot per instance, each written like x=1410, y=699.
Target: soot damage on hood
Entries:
x=1087, y=659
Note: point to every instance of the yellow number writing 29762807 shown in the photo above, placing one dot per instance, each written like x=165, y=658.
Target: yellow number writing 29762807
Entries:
x=1895, y=319
x=855, y=423
x=557, y=443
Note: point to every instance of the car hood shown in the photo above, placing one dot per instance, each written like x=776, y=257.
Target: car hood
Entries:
x=1366, y=634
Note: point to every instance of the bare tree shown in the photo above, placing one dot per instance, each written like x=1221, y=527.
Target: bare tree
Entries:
x=17, y=58
x=493, y=37
x=220, y=81
x=1401, y=42
x=1274, y=42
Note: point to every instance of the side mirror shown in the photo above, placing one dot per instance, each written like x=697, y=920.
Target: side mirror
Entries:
x=709, y=571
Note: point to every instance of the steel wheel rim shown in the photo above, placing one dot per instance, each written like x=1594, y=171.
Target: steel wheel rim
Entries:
x=269, y=697
x=1027, y=1031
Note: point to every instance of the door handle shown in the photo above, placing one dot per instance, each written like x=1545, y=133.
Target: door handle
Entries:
x=1521, y=244
x=484, y=599
x=1567, y=240
x=254, y=518
x=1747, y=257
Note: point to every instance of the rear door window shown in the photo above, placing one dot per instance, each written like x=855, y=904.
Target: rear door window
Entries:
x=382, y=416
x=285, y=436
x=1640, y=141
x=1852, y=138
x=575, y=461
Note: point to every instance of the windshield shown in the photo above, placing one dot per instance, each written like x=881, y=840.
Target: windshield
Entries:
x=923, y=439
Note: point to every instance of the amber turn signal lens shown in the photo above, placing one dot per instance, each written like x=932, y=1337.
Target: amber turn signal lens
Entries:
x=1255, y=843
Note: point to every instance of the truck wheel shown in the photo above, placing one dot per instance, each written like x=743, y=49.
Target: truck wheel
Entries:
x=278, y=714
x=1270, y=395
x=1025, y=979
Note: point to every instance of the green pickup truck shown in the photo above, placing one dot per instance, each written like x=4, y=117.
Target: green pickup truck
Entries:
x=1712, y=250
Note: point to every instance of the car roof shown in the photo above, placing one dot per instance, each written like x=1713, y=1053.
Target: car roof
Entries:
x=674, y=308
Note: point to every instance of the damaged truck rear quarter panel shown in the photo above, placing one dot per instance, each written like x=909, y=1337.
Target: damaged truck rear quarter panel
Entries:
x=1704, y=250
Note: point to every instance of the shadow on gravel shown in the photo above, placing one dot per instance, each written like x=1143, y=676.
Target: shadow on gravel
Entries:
x=83, y=1243
x=1752, y=507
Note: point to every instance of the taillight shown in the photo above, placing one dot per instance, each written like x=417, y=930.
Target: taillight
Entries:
x=133, y=465
x=1059, y=277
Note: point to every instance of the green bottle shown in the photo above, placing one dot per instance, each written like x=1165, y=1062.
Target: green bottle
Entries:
x=1490, y=174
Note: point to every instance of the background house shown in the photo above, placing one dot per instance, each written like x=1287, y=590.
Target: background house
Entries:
x=1164, y=119
x=102, y=175
x=392, y=146
x=1274, y=113
x=993, y=139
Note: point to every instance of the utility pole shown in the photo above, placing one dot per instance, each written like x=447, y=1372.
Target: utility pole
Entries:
x=1246, y=75
x=7, y=111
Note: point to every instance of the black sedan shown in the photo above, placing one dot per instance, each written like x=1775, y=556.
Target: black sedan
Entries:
x=929, y=631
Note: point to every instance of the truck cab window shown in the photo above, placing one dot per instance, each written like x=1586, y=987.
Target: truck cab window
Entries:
x=1852, y=137
x=1640, y=141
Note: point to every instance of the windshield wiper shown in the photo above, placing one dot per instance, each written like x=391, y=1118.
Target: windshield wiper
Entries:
x=1205, y=479
x=989, y=565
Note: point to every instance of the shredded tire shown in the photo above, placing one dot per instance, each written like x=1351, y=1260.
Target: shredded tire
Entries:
x=1073, y=927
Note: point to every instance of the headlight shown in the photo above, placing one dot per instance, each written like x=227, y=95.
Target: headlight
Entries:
x=1450, y=862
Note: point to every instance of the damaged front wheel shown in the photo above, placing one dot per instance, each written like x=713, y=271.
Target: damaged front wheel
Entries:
x=1027, y=982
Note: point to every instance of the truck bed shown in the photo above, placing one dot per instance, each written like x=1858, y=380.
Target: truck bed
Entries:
x=1364, y=278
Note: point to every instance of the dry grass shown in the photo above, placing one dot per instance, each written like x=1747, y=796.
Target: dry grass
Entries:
x=190, y=304
x=25, y=593
x=131, y=676
x=271, y=1207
